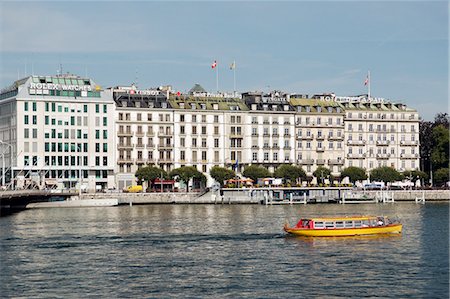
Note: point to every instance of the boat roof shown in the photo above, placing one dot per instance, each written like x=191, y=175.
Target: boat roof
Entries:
x=343, y=218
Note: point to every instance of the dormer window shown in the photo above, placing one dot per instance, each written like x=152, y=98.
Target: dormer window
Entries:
x=203, y=106
x=319, y=109
x=193, y=107
x=181, y=105
x=330, y=109
x=308, y=109
x=215, y=106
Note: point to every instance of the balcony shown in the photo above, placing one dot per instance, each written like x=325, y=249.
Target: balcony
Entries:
x=356, y=156
x=305, y=162
x=165, y=146
x=356, y=142
x=255, y=134
x=124, y=145
x=320, y=149
x=125, y=160
x=310, y=137
x=140, y=134
x=165, y=133
x=409, y=143
x=337, y=138
x=320, y=162
x=255, y=147
x=275, y=147
x=321, y=137
x=409, y=156
x=287, y=135
x=124, y=133
x=275, y=135
x=383, y=156
x=383, y=142
x=335, y=162
x=140, y=161
x=287, y=147
x=140, y=145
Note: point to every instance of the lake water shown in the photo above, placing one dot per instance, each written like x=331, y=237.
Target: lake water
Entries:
x=220, y=251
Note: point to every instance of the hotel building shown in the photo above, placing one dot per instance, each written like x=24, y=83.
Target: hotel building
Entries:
x=67, y=129
x=58, y=129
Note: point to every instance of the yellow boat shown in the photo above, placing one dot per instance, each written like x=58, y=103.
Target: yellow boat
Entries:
x=344, y=226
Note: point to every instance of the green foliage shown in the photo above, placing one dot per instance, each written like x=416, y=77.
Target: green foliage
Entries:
x=414, y=175
x=256, y=172
x=385, y=174
x=289, y=173
x=440, y=151
x=441, y=176
x=322, y=172
x=354, y=174
x=186, y=173
x=221, y=174
x=150, y=174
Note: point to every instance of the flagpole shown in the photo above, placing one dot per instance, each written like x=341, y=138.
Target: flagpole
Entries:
x=217, y=79
x=234, y=76
x=368, y=85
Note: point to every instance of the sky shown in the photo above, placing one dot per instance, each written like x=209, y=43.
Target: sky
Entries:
x=295, y=46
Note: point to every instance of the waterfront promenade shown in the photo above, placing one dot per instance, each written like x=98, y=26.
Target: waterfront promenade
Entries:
x=252, y=196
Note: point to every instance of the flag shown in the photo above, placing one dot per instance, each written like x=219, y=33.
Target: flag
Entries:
x=214, y=64
x=366, y=81
x=237, y=164
x=233, y=65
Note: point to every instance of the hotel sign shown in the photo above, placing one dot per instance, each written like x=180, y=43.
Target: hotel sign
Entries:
x=361, y=99
x=52, y=86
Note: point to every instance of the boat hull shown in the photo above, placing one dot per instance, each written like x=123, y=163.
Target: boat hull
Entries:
x=337, y=232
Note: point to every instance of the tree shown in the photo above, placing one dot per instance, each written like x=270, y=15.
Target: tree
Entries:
x=322, y=173
x=354, y=174
x=221, y=174
x=414, y=175
x=442, y=119
x=186, y=173
x=289, y=172
x=426, y=143
x=440, y=151
x=256, y=172
x=150, y=174
x=441, y=176
x=385, y=174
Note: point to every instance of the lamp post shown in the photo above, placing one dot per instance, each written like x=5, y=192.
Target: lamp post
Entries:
x=3, y=161
x=431, y=172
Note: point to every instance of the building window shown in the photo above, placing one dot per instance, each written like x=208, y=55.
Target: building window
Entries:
x=97, y=108
x=34, y=106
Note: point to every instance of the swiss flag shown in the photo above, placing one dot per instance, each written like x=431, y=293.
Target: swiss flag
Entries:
x=132, y=91
x=214, y=64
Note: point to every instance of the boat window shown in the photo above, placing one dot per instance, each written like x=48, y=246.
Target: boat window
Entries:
x=339, y=224
x=365, y=223
x=358, y=223
x=329, y=224
x=305, y=223
x=318, y=225
x=348, y=223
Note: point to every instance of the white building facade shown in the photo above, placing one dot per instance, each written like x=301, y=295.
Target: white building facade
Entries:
x=61, y=132
x=66, y=129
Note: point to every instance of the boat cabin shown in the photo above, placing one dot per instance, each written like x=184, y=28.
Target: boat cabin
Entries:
x=339, y=223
